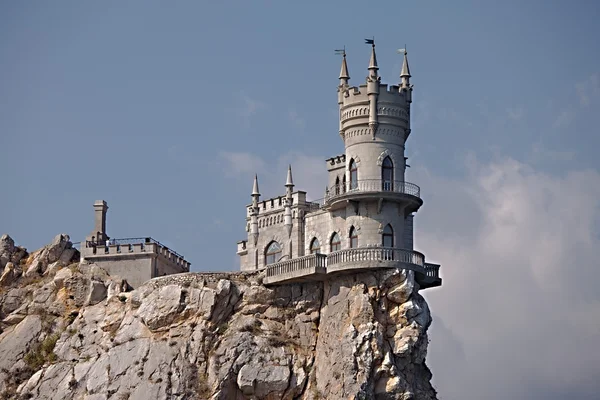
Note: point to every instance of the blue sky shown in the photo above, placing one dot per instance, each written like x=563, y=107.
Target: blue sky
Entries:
x=166, y=110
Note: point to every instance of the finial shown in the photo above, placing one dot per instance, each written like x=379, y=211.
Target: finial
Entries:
x=255, y=191
x=344, y=76
x=373, y=62
x=405, y=70
x=289, y=181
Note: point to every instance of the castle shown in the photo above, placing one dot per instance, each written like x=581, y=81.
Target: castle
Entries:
x=365, y=220
x=134, y=259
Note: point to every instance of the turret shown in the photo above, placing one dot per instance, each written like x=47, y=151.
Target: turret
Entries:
x=405, y=76
x=373, y=81
x=254, y=212
x=287, y=212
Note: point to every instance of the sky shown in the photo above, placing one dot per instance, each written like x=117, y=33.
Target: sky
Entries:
x=167, y=109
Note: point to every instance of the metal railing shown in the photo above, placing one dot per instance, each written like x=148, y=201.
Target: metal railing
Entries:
x=432, y=270
x=130, y=241
x=376, y=254
x=297, y=264
x=373, y=185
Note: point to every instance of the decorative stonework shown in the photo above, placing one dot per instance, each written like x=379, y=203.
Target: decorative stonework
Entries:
x=310, y=237
x=384, y=154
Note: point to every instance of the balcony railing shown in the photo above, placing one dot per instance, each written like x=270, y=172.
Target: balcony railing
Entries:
x=376, y=254
x=372, y=185
x=352, y=256
x=297, y=264
x=432, y=270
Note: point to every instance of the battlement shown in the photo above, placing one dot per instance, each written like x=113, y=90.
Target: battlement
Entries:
x=133, y=247
x=336, y=162
x=276, y=204
x=392, y=93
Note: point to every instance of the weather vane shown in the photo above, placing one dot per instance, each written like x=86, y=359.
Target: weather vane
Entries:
x=341, y=52
x=402, y=51
x=370, y=41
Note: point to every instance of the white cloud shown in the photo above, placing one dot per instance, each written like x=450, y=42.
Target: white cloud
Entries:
x=517, y=316
x=242, y=164
x=295, y=119
x=587, y=89
x=541, y=153
x=249, y=106
x=309, y=172
x=564, y=118
x=515, y=113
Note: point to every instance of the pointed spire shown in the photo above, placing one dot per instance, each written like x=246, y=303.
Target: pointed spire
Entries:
x=405, y=70
x=289, y=181
x=373, y=62
x=344, y=71
x=255, y=191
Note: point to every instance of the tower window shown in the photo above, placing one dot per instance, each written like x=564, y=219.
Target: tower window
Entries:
x=344, y=184
x=337, y=185
x=273, y=253
x=353, y=175
x=315, y=246
x=388, y=236
x=353, y=238
x=335, y=244
x=387, y=174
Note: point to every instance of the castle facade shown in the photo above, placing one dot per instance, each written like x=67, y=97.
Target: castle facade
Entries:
x=365, y=220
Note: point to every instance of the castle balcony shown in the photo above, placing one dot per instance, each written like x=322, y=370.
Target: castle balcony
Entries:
x=398, y=191
x=307, y=268
x=317, y=266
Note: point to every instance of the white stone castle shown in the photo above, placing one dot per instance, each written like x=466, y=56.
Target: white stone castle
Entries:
x=365, y=220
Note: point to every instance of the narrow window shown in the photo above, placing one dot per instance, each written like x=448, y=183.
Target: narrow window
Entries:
x=388, y=236
x=353, y=238
x=387, y=174
x=353, y=175
x=344, y=184
x=336, y=243
x=273, y=253
x=315, y=247
x=337, y=185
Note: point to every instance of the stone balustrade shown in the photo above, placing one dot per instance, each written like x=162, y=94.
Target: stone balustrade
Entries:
x=372, y=186
x=314, y=266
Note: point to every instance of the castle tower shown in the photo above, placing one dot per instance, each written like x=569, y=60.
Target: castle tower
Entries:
x=365, y=220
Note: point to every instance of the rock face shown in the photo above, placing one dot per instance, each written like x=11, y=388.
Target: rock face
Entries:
x=77, y=333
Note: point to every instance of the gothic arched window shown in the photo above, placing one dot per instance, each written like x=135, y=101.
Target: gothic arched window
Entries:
x=273, y=253
x=335, y=244
x=315, y=246
x=388, y=236
x=353, y=238
x=344, y=187
x=337, y=185
x=387, y=174
x=353, y=175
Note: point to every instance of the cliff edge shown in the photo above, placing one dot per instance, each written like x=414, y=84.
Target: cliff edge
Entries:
x=68, y=330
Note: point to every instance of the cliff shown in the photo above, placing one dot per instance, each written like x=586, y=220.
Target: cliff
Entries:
x=71, y=331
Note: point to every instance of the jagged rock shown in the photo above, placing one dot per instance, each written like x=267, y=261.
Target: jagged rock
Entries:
x=212, y=336
x=97, y=292
x=10, y=274
x=7, y=248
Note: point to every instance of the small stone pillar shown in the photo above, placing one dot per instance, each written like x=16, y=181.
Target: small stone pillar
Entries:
x=100, y=208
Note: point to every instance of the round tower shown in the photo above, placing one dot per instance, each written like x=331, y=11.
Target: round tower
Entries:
x=374, y=125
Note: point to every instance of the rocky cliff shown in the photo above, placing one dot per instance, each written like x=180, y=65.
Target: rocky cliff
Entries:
x=70, y=331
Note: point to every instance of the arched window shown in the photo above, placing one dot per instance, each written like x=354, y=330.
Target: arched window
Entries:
x=344, y=184
x=388, y=236
x=353, y=175
x=273, y=253
x=337, y=185
x=335, y=244
x=353, y=238
x=315, y=246
x=387, y=174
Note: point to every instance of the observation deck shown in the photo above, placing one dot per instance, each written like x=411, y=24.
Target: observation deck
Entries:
x=319, y=266
x=399, y=191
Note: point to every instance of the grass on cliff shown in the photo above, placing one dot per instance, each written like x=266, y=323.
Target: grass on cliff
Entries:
x=42, y=353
